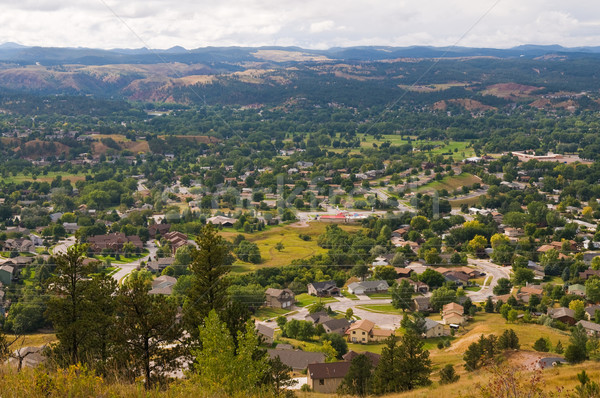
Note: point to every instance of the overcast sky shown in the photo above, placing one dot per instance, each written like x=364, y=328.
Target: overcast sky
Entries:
x=305, y=23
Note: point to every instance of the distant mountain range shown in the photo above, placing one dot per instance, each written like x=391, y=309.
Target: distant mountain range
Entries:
x=23, y=55
x=445, y=77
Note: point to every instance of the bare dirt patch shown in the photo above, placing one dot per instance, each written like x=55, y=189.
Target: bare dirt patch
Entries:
x=510, y=90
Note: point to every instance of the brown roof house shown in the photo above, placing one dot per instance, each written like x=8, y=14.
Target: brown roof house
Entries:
x=158, y=229
x=364, y=331
x=325, y=378
x=113, y=242
x=350, y=355
x=563, y=314
x=422, y=304
x=279, y=298
x=453, y=313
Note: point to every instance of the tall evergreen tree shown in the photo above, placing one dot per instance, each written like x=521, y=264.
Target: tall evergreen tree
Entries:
x=147, y=331
x=357, y=380
x=414, y=364
x=70, y=310
x=208, y=290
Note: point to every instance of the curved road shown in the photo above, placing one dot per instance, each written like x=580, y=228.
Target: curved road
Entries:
x=490, y=269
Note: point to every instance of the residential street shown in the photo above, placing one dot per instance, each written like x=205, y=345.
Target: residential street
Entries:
x=490, y=269
x=384, y=321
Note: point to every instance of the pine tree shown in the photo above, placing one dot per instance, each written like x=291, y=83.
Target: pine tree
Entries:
x=357, y=380
x=147, y=330
x=448, y=375
x=208, y=290
x=414, y=364
x=489, y=305
x=70, y=310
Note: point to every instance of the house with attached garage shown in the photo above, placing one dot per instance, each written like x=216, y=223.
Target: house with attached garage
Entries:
x=323, y=289
x=365, y=287
x=279, y=298
x=433, y=328
x=364, y=331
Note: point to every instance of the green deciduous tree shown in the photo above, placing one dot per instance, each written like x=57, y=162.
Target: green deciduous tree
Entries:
x=401, y=295
x=221, y=369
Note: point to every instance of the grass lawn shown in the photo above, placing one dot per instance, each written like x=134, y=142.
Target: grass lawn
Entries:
x=381, y=308
x=469, y=201
x=44, y=178
x=304, y=299
x=294, y=248
x=380, y=295
x=450, y=183
x=473, y=288
x=351, y=296
x=371, y=347
x=264, y=313
x=123, y=259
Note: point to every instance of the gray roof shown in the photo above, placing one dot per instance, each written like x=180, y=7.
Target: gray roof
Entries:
x=369, y=284
x=430, y=323
x=265, y=330
x=589, y=326
x=297, y=359
x=335, y=324
x=561, y=312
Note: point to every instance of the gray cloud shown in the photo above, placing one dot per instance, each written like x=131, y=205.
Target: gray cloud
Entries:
x=310, y=23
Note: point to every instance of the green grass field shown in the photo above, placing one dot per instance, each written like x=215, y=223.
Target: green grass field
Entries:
x=264, y=313
x=305, y=299
x=294, y=248
x=43, y=178
x=450, y=183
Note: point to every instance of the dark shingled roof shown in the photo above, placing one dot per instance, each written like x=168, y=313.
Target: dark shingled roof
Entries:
x=331, y=370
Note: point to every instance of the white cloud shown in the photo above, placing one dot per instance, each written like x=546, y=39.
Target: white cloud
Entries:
x=322, y=26
x=310, y=23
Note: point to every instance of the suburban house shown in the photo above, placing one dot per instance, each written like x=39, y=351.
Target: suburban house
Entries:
x=368, y=287
x=532, y=289
x=317, y=317
x=7, y=273
x=364, y=331
x=338, y=326
x=433, y=328
x=420, y=287
x=590, y=311
x=460, y=278
x=325, y=378
x=296, y=359
x=176, y=240
x=403, y=272
x=421, y=304
x=113, y=242
x=266, y=333
x=323, y=289
x=589, y=272
x=563, y=314
x=18, y=245
x=591, y=328
x=160, y=264
x=576, y=289
x=221, y=220
x=453, y=313
x=163, y=285
x=158, y=229
x=279, y=298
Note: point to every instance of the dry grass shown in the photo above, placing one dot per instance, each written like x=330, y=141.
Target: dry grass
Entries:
x=294, y=248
